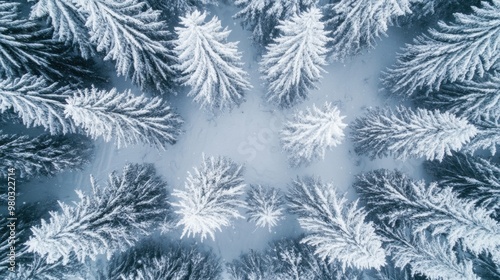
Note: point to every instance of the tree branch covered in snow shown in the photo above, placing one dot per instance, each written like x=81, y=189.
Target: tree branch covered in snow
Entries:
x=265, y=206
x=310, y=133
x=43, y=155
x=129, y=119
x=37, y=102
x=25, y=47
x=454, y=52
x=487, y=138
x=152, y=260
x=337, y=230
x=262, y=16
x=208, y=63
x=112, y=218
x=294, y=61
x=129, y=32
x=68, y=23
x=395, y=197
x=211, y=197
x=429, y=256
x=356, y=24
x=287, y=259
x=470, y=176
x=405, y=133
x=35, y=267
x=475, y=100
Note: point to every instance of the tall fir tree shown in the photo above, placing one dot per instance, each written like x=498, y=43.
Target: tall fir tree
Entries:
x=26, y=47
x=287, y=259
x=454, y=52
x=404, y=133
x=294, y=61
x=111, y=218
x=337, y=230
x=128, y=32
x=431, y=256
x=310, y=133
x=475, y=100
x=471, y=176
x=487, y=138
x=68, y=23
x=129, y=119
x=43, y=155
x=356, y=24
x=37, y=102
x=153, y=260
x=208, y=63
x=265, y=206
x=394, y=197
x=262, y=16
x=211, y=197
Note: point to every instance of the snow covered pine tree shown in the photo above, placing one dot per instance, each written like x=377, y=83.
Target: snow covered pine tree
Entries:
x=128, y=32
x=287, y=259
x=110, y=219
x=262, y=16
x=211, y=197
x=431, y=256
x=208, y=64
x=36, y=102
x=265, y=206
x=396, y=198
x=43, y=155
x=359, y=23
x=154, y=260
x=405, y=133
x=311, y=132
x=337, y=230
x=128, y=118
x=471, y=177
x=293, y=63
x=454, y=52
x=26, y=47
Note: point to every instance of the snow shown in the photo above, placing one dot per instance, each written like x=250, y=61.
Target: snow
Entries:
x=249, y=135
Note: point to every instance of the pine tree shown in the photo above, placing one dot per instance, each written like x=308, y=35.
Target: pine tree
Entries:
x=475, y=100
x=405, y=133
x=36, y=268
x=356, y=24
x=111, y=218
x=265, y=206
x=391, y=272
x=211, y=197
x=37, y=102
x=42, y=155
x=487, y=138
x=472, y=177
x=68, y=23
x=129, y=119
x=131, y=34
x=286, y=259
x=453, y=52
x=310, y=133
x=25, y=46
x=337, y=230
x=293, y=63
x=429, y=256
x=395, y=197
x=262, y=16
x=152, y=260
x=208, y=63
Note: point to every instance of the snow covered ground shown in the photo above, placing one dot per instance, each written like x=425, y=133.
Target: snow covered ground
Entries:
x=249, y=135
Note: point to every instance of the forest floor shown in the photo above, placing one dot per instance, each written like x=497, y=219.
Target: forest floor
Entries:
x=249, y=135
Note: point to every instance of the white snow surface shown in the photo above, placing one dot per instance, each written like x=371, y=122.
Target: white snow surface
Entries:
x=249, y=135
